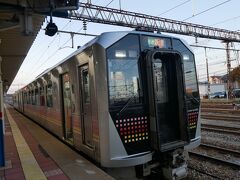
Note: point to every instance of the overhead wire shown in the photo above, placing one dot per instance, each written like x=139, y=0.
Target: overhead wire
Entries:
x=226, y=20
x=48, y=46
x=213, y=72
x=206, y=10
x=109, y=3
x=174, y=7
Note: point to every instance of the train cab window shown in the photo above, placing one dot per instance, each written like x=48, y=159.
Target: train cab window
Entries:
x=123, y=72
x=42, y=98
x=49, y=92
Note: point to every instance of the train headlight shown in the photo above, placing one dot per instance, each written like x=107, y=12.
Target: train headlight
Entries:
x=120, y=54
x=186, y=57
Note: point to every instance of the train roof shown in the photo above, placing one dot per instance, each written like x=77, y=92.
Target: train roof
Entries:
x=105, y=39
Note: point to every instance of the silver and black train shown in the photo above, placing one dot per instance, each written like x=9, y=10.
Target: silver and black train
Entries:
x=129, y=100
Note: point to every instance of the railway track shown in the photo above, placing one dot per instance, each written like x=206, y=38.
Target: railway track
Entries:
x=219, y=110
x=204, y=173
x=215, y=160
x=214, y=116
x=221, y=149
x=221, y=129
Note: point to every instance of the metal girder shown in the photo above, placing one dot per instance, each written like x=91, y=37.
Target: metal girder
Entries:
x=105, y=15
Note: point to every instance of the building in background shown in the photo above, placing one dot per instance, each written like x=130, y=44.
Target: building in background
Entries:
x=217, y=84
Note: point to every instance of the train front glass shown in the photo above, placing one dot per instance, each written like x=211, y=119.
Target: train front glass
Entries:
x=130, y=90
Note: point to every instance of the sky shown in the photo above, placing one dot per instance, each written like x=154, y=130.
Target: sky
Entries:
x=47, y=51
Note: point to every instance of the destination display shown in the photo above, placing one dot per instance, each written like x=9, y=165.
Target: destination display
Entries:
x=156, y=42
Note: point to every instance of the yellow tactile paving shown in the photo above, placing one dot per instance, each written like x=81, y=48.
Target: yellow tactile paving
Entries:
x=30, y=166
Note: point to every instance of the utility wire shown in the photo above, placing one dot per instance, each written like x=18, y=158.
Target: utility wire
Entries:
x=45, y=51
x=206, y=10
x=109, y=3
x=226, y=20
x=174, y=7
x=219, y=71
x=211, y=47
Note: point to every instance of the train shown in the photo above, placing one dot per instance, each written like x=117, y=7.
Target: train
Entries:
x=129, y=100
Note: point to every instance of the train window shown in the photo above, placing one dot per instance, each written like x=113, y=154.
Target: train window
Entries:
x=49, y=92
x=42, y=98
x=150, y=42
x=86, y=90
x=36, y=96
x=160, y=81
x=32, y=97
x=123, y=72
x=28, y=97
x=25, y=96
x=189, y=68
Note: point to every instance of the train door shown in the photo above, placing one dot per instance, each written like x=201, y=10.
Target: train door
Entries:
x=85, y=98
x=167, y=103
x=67, y=110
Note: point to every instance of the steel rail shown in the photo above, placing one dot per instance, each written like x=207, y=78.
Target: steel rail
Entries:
x=214, y=159
x=219, y=130
x=220, y=117
x=221, y=149
x=203, y=172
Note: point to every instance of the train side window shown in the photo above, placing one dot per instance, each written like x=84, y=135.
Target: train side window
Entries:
x=42, y=98
x=28, y=97
x=49, y=95
x=36, y=97
x=86, y=89
x=25, y=98
x=32, y=97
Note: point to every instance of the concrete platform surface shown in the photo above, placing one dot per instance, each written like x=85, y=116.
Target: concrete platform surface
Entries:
x=33, y=153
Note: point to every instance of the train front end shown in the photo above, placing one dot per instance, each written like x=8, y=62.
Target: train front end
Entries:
x=153, y=104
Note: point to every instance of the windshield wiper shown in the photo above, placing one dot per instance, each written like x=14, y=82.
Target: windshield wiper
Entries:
x=193, y=99
x=126, y=105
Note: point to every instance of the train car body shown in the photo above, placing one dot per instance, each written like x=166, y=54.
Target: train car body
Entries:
x=129, y=100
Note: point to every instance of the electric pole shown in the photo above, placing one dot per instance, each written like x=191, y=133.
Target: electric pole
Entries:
x=208, y=80
x=229, y=86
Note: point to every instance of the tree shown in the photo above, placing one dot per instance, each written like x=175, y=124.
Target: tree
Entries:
x=235, y=74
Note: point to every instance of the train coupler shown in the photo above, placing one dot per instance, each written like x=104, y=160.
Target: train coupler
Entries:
x=176, y=165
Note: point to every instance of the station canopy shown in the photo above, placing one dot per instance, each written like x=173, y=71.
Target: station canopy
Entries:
x=18, y=29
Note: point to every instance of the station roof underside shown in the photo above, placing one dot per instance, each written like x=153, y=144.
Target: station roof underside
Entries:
x=16, y=38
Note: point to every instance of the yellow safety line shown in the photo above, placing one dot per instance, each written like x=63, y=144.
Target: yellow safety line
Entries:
x=30, y=166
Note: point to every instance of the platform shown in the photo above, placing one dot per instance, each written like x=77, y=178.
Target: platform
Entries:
x=32, y=153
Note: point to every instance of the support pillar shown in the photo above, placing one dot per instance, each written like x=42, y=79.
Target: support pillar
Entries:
x=2, y=156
